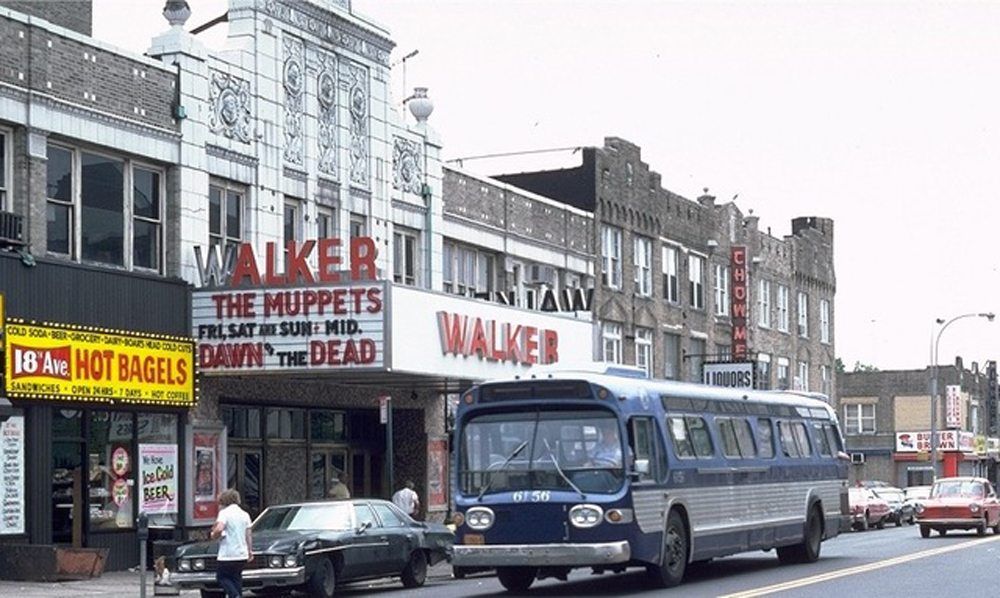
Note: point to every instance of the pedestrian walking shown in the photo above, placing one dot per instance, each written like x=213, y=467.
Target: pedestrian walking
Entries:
x=406, y=499
x=232, y=529
x=338, y=489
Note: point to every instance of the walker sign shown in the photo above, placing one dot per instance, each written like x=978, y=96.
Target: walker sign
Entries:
x=262, y=319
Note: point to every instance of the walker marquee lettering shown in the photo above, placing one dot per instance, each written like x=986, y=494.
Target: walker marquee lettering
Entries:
x=490, y=340
x=336, y=320
x=738, y=302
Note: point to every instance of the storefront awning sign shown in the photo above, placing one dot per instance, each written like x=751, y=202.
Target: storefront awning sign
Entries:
x=77, y=363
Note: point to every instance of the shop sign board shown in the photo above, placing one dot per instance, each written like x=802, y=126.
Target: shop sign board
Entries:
x=738, y=300
x=274, y=330
x=730, y=374
x=12, y=496
x=158, y=479
x=449, y=335
x=953, y=406
x=91, y=364
x=948, y=440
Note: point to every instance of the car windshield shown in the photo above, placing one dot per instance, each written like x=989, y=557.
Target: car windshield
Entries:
x=306, y=517
x=957, y=489
x=918, y=492
x=541, y=450
x=891, y=495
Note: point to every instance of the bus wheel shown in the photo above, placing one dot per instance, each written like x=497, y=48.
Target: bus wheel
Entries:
x=812, y=540
x=673, y=560
x=516, y=579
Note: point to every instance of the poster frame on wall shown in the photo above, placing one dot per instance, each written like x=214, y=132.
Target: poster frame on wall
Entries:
x=205, y=442
x=437, y=473
x=18, y=461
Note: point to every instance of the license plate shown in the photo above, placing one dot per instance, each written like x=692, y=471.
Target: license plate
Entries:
x=474, y=539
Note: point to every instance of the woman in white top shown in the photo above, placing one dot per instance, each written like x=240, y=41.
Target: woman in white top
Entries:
x=235, y=546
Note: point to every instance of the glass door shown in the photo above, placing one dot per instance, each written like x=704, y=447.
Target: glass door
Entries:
x=67, y=477
x=244, y=474
x=323, y=464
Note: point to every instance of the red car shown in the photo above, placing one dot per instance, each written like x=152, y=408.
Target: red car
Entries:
x=959, y=503
x=867, y=509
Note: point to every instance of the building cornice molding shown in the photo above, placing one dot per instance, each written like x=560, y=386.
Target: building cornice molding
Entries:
x=330, y=27
x=227, y=154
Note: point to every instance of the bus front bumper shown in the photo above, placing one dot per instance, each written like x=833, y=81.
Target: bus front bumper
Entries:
x=541, y=555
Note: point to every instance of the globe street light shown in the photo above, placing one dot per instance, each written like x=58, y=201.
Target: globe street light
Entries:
x=934, y=377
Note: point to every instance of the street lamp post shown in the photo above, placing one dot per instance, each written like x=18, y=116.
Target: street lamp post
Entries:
x=934, y=376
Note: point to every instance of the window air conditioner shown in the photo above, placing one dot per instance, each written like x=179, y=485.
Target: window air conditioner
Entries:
x=857, y=458
x=538, y=273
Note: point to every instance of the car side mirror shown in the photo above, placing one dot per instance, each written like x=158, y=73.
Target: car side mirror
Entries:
x=363, y=528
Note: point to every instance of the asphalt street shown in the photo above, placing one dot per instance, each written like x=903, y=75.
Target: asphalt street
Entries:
x=889, y=562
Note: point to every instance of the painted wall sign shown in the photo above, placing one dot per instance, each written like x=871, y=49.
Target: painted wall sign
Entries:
x=240, y=267
x=738, y=300
x=729, y=374
x=953, y=406
x=948, y=440
x=276, y=330
x=48, y=362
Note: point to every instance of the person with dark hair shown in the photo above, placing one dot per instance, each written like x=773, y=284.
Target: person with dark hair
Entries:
x=406, y=499
x=232, y=529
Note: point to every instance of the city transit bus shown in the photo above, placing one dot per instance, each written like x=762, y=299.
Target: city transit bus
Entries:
x=581, y=470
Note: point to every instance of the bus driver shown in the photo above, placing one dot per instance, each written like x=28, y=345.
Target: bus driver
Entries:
x=608, y=450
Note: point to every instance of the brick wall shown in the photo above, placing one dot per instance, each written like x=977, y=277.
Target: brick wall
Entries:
x=77, y=15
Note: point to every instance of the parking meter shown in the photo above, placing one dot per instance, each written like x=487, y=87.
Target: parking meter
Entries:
x=143, y=527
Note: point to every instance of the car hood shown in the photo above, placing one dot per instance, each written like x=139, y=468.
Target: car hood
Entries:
x=269, y=542
x=949, y=502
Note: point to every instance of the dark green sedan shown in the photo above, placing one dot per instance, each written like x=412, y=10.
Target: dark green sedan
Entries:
x=314, y=547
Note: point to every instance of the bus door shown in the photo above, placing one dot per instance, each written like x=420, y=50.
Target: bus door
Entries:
x=647, y=471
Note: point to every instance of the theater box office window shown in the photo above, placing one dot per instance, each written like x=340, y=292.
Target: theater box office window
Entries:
x=104, y=414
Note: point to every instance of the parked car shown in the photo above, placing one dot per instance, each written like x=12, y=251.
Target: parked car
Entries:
x=313, y=547
x=867, y=509
x=914, y=494
x=959, y=503
x=901, y=511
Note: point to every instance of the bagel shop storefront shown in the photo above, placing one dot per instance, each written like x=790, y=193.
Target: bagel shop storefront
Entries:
x=100, y=397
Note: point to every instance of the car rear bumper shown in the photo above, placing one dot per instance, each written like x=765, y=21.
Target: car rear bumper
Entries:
x=544, y=555
x=251, y=578
x=952, y=523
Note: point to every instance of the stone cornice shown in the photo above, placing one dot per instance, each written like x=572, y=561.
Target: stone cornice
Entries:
x=227, y=154
x=409, y=207
x=330, y=27
x=105, y=117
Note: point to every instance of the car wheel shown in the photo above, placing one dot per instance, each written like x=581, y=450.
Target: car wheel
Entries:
x=996, y=526
x=673, y=556
x=981, y=529
x=880, y=524
x=323, y=581
x=864, y=522
x=925, y=532
x=516, y=579
x=943, y=532
x=808, y=550
x=415, y=573
x=899, y=520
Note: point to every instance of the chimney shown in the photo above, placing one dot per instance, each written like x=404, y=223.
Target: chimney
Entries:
x=706, y=200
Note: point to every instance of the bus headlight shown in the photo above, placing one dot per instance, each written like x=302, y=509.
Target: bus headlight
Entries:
x=585, y=515
x=479, y=518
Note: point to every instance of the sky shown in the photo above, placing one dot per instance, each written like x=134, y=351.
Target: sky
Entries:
x=880, y=115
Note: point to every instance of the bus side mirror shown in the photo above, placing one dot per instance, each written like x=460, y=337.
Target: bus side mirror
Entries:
x=642, y=467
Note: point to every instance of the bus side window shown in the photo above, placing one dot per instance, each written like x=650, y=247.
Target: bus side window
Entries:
x=680, y=438
x=730, y=448
x=744, y=438
x=833, y=437
x=701, y=440
x=787, y=439
x=645, y=444
x=822, y=440
x=765, y=434
x=802, y=439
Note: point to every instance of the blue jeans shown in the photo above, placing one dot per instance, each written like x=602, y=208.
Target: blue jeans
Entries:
x=229, y=574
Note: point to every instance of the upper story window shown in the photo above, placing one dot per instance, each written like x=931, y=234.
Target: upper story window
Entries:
x=696, y=360
x=824, y=321
x=292, y=218
x=225, y=215
x=696, y=281
x=671, y=356
x=763, y=371
x=103, y=209
x=859, y=419
x=358, y=226
x=721, y=290
x=782, y=308
x=803, y=315
x=671, y=288
x=467, y=270
x=764, y=303
x=782, y=373
x=802, y=380
x=326, y=223
x=404, y=256
x=611, y=257
x=644, y=350
x=643, y=257
x=824, y=379
x=611, y=334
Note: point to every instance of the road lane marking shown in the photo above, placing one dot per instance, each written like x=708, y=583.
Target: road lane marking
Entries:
x=899, y=560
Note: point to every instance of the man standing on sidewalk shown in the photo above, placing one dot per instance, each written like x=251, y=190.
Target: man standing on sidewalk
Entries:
x=235, y=546
x=407, y=500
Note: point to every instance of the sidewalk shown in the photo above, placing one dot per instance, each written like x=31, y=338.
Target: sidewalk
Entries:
x=126, y=584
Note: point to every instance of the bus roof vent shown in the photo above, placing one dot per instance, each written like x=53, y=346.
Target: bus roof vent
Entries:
x=625, y=371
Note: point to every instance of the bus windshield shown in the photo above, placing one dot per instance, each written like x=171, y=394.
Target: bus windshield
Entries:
x=578, y=450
